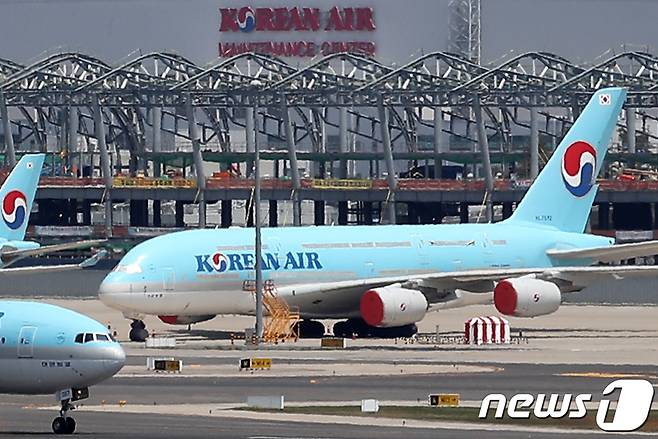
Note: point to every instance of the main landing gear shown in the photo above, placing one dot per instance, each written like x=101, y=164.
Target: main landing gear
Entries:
x=138, y=331
x=359, y=328
x=311, y=329
x=64, y=424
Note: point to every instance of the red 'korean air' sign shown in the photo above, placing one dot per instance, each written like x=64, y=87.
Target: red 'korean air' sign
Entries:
x=248, y=20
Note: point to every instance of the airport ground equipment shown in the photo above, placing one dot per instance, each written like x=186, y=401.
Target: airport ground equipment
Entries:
x=443, y=399
x=281, y=322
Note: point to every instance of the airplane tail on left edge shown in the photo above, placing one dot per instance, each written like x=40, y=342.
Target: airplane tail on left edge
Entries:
x=17, y=194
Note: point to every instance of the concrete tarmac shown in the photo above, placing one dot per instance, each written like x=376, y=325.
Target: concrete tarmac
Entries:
x=27, y=416
x=579, y=349
x=25, y=423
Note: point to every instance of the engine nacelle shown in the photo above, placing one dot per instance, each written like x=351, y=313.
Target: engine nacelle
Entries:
x=185, y=320
x=526, y=297
x=391, y=306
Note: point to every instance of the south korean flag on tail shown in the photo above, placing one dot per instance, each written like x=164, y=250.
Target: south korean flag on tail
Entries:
x=605, y=99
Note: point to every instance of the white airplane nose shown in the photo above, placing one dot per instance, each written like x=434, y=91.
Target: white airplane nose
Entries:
x=112, y=293
x=114, y=361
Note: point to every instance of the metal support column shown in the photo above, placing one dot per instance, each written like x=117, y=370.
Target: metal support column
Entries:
x=250, y=136
x=273, y=213
x=604, y=216
x=180, y=214
x=156, y=115
x=507, y=210
x=486, y=159
x=73, y=139
x=534, y=142
x=388, y=155
x=10, y=152
x=294, y=168
x=463, y=213
x=106, y=167
x=438, y=145
x=318, y=213
x=258, y=243
x=343, y=140
x=198, y=161
x=227, y=213
x=631, y=128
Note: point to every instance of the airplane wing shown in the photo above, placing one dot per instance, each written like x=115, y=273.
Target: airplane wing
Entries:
x=87, y=263
x=449, y=289
x=10, y=256
x=608, y=254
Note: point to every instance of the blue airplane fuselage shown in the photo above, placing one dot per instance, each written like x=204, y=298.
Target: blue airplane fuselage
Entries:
x=45, y=348
x=204, y=271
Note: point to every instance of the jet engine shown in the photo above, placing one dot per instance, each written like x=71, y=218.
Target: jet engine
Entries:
x=392, y=306
x=526, y=297
x=184, y=320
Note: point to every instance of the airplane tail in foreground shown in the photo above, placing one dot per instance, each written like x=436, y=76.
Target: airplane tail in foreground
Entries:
x=563, y=193
x=17, y=194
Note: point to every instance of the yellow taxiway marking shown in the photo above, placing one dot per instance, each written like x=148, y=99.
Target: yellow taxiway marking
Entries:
x=610, y=375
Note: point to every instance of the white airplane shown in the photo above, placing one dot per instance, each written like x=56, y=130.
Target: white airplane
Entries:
x=47, y=349
x=384, y=279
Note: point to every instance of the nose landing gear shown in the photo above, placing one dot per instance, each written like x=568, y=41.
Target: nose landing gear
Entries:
x=64, y=424
x=138, y=331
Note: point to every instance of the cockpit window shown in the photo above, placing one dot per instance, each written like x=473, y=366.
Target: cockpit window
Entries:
x=89, y=337
x=79, y=338
x=102, y=337
x=133, y=268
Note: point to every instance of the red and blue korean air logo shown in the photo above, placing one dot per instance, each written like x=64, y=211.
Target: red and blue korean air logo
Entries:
x=246, y=19
x=14, y=209
x=579, y=167
x=219, y=262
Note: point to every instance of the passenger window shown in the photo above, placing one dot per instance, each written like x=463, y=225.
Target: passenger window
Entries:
x=102, y=337
x=89, y=337
x=78, y=338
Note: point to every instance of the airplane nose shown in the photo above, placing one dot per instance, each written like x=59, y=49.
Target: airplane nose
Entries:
x=115, y=360
x=112, y=293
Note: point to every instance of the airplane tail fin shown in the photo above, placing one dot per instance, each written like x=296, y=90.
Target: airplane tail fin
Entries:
x=563, y=193
x=17, y=194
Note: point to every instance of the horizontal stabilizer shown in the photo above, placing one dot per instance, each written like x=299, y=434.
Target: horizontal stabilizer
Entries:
x=608, y=254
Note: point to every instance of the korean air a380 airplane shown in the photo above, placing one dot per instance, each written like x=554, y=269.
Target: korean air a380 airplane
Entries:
x=384, y=279
x=47, y=349
x=16, y=195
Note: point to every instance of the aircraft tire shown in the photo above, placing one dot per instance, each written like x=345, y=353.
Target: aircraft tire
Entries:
x=340, y=329
x=138, y=324
x=138, y=334
x=60, y=425
x=311, y=329
x=395, y=332
x=70, y=425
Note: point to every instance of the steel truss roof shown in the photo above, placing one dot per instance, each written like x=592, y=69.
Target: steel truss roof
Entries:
x=534, y=78
x=130, y=92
